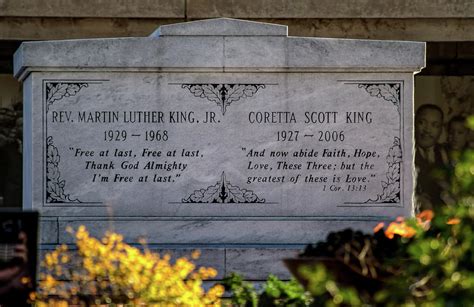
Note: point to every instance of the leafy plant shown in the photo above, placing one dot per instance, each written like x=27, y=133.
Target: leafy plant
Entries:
x=275, y=292
x=110, y=271
x=326, y=290
x=432, y=257
x=243, y=292
x=281, y=293
x=441, y=270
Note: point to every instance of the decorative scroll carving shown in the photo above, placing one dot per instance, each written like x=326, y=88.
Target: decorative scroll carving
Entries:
x=391, y=187
x=223, y=94
x=223, y=192
x=58, y=90
x=388, y=91
x=54, y=184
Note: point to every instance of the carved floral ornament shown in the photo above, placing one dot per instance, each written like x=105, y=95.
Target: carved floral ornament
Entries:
x=55, y=185
x=223, y=94
x=388, y=91
x=58, y=90
x=391, y=185
x=223, y=192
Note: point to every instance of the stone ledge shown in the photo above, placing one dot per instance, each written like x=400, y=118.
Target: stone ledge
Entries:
x=258, y=263
x=194, y=232
x=48, y=231
x=221, y=27
x=330, y=9
x=93, y=8
x=207, y=50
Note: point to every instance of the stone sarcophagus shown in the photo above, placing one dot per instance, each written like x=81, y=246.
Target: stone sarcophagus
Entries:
x=219, y=134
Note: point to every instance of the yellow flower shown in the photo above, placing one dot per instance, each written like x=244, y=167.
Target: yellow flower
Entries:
x=49, y=282
x=196, y=254
x=110, y=268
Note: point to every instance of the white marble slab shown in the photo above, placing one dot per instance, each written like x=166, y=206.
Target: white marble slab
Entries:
x=218, y=132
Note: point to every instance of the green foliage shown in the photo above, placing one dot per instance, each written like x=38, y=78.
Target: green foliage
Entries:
x=441, y=267
x=243, y=292
x=281, y=293
x=470, y=122
x=463, y=182
x=326, y=291
x=275, y=292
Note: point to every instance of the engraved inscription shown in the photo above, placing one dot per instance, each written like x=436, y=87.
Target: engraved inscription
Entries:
x=275, y=151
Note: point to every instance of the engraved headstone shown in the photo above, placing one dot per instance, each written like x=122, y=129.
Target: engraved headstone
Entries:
x=218, y=132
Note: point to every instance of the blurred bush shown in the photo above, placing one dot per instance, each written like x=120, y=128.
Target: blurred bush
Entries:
x=109, y=271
